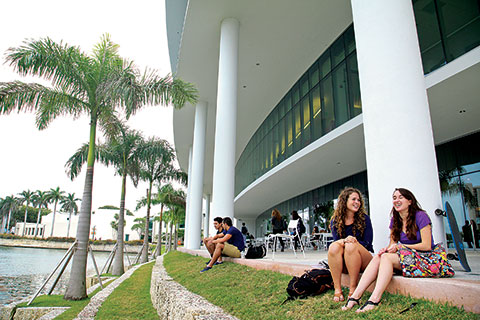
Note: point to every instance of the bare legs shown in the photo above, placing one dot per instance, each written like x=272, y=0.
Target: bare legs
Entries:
x=354, y=257
x=217, y=254
x=381, y=270
x=211, y=247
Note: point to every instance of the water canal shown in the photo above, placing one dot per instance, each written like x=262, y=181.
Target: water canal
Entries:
x=23, y=270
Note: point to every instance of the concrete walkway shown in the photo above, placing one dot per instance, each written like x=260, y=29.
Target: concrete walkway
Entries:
x=461, y=290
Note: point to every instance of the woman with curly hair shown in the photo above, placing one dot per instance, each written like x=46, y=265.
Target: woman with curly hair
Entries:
x=353, y=235
x=410, y=233
x=278, y=226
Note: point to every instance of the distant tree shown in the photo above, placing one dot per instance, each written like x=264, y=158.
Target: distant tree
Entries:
x=9, y=204
x=25, y=197
x=40, y=199
x=139, y=224
x=69, y=204
x=54, y=196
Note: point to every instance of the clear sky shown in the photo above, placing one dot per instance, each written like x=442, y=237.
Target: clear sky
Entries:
x=33, y=159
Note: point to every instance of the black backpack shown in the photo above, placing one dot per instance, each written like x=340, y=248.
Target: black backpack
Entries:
x=312, y=282
x=256, y=252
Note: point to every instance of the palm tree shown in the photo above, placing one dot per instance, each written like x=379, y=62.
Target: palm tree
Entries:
x=54, y=196
x=9, y=204
x=94, y=85
x=69, y=204
x=25, y=197
x=157, y=166
x=121, y=152
x=40, y=199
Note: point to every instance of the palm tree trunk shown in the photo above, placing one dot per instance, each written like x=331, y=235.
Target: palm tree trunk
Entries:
x=170, y=237
x=144, y=257
x=175, y=242
x=53, y=218
x=76, y=289
x=159, y=244
x=9, y=216
x=118, y=267
x=38, y=219
x=25, y=220
x=69, y=221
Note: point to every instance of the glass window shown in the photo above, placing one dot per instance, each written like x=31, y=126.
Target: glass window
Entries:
x=355, y=100
x=328, y=117
x=276, y=144
x=314, y=75
x=429, y=35
x=282, y=138
x=304, y=85
x=339, y=76
x=316, y=108
x=288, y=102
x=324, y=64
x=460, y=21
x=296, y=94
x=337, y=52
x=306, y=121
x=298, y=127
x=349, y=40
x=281, y=109
x=289, y=128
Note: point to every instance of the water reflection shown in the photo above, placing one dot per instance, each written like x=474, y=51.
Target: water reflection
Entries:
x=23, y=270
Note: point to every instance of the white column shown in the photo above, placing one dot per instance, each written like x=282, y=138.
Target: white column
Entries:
x=206, y=228
x=196, y=180
x=226, y=120
x=189, y=187
x=399, y=144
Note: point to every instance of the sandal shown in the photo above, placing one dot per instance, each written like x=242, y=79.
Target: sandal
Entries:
x=338, y=297
x=369, y=302
x=356, y=302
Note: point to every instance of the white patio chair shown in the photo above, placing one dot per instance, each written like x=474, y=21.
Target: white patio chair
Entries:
x=293, y=227
x=326, y=240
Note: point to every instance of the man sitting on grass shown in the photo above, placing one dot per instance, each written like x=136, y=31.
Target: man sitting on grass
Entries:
x=217, y=224
x=231, y=244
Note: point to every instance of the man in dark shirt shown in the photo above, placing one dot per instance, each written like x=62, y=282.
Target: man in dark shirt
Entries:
x=208, y=242
x=231, y=244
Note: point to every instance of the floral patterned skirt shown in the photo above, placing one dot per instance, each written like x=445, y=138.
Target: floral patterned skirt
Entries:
x=425, y=264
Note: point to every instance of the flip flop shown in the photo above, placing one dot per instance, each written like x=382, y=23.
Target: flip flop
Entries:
x=356, y=302
x=338, y=297
x=369, y=302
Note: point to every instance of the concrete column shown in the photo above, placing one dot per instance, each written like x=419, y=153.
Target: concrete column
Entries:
x=189, y=187
x=400, y=150
x=206, y=229
x=226, y=120
x=196, y=180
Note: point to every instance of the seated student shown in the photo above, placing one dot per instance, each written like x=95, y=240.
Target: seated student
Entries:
x=301, y=228
x=410, y=230
x=315, y=237
x=353, y=235
x=231, y=244
x=217, y=224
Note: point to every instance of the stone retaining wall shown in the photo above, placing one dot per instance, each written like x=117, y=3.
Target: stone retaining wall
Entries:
x=173, y=301
x=30, y=243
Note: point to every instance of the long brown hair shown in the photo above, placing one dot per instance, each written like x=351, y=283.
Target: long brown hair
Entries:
x=397, y=220
x=340, y=213
x=276, y=214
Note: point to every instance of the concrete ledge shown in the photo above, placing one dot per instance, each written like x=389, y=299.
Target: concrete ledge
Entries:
x=40, y=313
x=460, y=293
x=172, y=301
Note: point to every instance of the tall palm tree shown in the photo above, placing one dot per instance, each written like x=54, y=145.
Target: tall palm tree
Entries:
x=121, y=152
x=25, y=197
x=54, y=196
x=95, y=85
x=9, y=204
x=69, y=204
x=157, y=166
x=40, y=199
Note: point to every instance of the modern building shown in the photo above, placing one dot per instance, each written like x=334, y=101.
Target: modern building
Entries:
x=298, y=99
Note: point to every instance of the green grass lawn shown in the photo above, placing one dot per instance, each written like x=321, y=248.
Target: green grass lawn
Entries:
x=131, y=299
x=248, y=293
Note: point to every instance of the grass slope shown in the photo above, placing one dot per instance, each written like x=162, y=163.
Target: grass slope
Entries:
x=131, y=299
x=257, y=294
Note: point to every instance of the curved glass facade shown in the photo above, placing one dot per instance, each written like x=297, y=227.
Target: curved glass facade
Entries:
x=328, y=93
x=325, y=96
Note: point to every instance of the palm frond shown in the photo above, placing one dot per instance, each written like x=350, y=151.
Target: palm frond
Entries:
x=76, y=161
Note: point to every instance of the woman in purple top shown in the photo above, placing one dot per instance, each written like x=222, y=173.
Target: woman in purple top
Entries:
x=353, y=235
x=410, y=226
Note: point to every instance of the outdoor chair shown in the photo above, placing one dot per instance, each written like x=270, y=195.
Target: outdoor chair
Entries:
x=326, y=240
x=293, y=232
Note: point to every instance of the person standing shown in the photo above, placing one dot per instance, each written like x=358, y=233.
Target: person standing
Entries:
x=467, y=234
x=278, y=226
